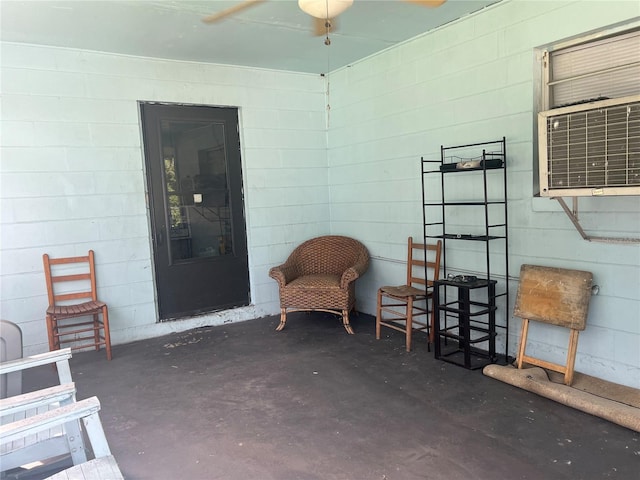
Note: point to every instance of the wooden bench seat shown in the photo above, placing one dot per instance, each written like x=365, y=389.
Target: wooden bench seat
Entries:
x=103, y=468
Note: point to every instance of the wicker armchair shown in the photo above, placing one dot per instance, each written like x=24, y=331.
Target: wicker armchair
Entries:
x=320, y=275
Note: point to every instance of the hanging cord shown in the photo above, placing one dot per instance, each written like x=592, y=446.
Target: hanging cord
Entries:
x=328, y=95
x=327, y=24
x=327, y=42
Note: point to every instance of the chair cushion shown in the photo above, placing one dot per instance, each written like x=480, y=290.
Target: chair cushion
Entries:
x=318, y=281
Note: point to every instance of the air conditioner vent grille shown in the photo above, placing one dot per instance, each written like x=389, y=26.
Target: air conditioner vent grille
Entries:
x=594, y=147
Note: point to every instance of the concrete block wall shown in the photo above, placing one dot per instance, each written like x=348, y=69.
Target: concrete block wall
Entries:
x=72, y=169
x=473, y=81
x=72, y=176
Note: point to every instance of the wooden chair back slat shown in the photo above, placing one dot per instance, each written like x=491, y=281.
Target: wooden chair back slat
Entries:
x=60, y=261
x=72, y=296
x=71, y=278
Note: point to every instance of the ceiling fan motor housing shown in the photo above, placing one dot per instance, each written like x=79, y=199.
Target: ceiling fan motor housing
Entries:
x=324, y=8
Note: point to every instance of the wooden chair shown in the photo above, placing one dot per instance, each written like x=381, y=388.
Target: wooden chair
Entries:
x=70, y=279
x=403, y=304
x=556, y=296
x=320, y=275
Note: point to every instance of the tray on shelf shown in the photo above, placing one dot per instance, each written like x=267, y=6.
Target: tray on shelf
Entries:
x=486, y=164
x=467, y=236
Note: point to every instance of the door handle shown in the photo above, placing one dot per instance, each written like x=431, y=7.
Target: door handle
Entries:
x=160, y=237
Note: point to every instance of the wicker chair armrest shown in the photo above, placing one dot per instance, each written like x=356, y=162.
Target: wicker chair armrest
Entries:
x=284, y=273
x=348, y=276
x=352, y=273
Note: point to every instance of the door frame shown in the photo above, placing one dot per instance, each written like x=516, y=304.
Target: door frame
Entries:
x=150, y=211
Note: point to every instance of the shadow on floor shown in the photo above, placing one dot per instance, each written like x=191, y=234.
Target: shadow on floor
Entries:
x=242, y=401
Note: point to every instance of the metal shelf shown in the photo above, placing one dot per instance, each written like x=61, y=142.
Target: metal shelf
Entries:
x=459, y=315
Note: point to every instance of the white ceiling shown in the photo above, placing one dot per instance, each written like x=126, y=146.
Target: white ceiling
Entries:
x=275, y=34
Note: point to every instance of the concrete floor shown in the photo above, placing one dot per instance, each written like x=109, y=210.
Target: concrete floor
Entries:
x=245, y=402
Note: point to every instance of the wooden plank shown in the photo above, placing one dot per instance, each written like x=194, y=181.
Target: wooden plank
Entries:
x=544, y=364
x=554, y=295
x=59, y=416
x=103, y=468
x=26, y=401
x=35, y=361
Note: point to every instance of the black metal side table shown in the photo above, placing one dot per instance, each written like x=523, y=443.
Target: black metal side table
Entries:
x=464, y=326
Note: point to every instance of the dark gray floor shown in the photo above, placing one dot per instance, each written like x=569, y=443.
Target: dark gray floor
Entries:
x=245, y=402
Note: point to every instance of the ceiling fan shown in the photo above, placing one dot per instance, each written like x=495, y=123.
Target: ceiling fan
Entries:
x=324, y=12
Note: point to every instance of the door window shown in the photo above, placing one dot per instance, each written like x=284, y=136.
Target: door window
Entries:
x=195, y=177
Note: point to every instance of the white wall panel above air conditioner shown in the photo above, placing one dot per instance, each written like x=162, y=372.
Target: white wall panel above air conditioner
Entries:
x=590, y=149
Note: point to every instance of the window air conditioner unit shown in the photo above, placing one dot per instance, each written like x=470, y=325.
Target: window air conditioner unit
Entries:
x=590, y=149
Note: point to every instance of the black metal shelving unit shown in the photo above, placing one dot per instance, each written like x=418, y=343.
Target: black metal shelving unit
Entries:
x=466, y=303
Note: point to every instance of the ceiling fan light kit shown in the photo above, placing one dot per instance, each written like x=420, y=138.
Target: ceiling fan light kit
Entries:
x=324, y=8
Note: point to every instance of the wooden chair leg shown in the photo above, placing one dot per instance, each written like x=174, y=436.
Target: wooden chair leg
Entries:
x=523, y=340
x=96, y=330
x=409, y=324
x=50, y=330
x=379, y=314
x=107, y=332
x=283, y=319
x=571, y=357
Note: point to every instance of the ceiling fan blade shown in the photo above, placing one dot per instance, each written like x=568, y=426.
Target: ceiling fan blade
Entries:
x=427, y=3
x=231, y=10
x=320, y=26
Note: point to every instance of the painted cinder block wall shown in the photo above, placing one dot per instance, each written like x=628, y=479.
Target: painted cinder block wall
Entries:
x=473, y=81
x=72, y=170
x=72, y=176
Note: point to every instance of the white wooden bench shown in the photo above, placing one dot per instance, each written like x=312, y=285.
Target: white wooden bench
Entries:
x=43, y=424
x=61, y=438
x=103, y=467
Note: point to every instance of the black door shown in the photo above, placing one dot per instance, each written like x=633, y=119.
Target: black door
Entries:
x=197, y=217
